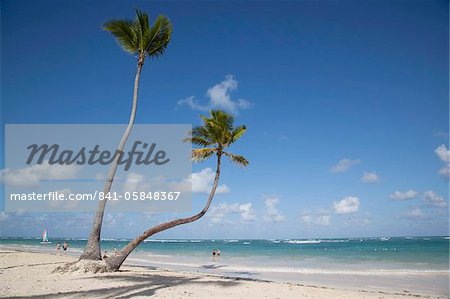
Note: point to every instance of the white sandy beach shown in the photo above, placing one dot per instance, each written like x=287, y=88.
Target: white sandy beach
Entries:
x=29, y=275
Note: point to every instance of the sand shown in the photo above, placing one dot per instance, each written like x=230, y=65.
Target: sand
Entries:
x=29, y=275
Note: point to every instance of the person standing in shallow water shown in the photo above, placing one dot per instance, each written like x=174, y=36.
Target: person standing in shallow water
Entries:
x=65, y=247
x=58, y=248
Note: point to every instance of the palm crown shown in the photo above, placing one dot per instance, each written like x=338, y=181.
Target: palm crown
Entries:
x=215, y=135
x=138, y=37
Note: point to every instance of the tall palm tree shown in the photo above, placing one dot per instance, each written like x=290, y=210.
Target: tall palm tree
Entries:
x=140, y=39
x=214, y=137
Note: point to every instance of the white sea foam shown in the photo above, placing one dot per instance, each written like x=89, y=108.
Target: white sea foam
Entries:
x=302, y=241
x=166, y=241
x=334, y=241
x=291, y=270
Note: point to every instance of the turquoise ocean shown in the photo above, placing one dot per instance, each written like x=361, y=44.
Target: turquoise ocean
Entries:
x=421, y=253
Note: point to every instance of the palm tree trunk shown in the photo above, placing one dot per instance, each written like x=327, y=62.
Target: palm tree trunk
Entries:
x=114, y=262
x=92, y=250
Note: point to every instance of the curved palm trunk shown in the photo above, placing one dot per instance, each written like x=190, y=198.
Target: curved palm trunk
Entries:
x=92, y=250
x=114, y=262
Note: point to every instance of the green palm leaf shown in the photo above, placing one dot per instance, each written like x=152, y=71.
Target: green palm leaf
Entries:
x=218, y=131
x=124, y=34
x=237, y=133
x=139, y=37
x=201, y=154
x=142, y=27
x=198, y=141
x=159, y=37
x=237, y=159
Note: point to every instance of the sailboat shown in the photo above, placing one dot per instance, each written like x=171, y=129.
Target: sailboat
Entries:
x=45, y=237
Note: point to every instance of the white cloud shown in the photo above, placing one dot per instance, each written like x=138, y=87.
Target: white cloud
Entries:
x=64, y=204
x=347, y=205
x=221, y=212
x=323, y=220
x=272, y=213
x=193, y=104
x=406, y=195
x=135, y=182
x=370, y=177
x=434, y=199
x=219, y=98
x=32, y=175
x=444, y=171
x=111, y=219
x=79, y=220
x=203, y=180
x=444, y=154
x=414, y=213
x=247, y=213
x=344, y=165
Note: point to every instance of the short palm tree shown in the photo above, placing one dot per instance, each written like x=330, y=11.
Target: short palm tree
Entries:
x=214, y=138
x=138, y=38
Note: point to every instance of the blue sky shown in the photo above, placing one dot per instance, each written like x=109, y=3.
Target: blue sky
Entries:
x=329, y=91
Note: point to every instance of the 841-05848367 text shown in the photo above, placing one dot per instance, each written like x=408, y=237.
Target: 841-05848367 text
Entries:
x=157, y=195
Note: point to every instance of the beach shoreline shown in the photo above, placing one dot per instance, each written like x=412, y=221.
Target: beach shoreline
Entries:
x=29, y=274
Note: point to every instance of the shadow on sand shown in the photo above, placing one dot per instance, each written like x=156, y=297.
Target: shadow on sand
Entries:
x=139, y=285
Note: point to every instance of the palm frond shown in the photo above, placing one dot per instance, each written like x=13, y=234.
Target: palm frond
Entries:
x=159, y=37
x=197, y=141
x=221, y=119
x=137, y=36
x=237, y=159
x=142, y=27
x=237, y=133
x=218, y=126
x=216, y=134
x=205, y=133
x=124, y=34
x=201, y=154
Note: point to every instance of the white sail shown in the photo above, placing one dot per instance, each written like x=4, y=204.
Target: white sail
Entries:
x=45, y=237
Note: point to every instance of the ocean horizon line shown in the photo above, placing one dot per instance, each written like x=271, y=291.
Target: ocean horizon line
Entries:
x=227, y=239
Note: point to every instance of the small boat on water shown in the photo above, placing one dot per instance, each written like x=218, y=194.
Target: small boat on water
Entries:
x=45, y=237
